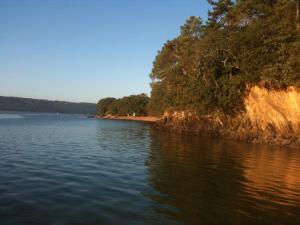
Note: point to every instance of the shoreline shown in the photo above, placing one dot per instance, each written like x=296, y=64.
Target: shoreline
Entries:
x=149, y=119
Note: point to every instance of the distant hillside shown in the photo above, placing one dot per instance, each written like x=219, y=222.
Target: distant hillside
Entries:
x=38, y=105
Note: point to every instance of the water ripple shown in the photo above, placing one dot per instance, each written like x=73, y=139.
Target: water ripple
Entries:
x=71, y=170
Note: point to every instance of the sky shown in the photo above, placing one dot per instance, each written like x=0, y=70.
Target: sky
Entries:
x=85, y=50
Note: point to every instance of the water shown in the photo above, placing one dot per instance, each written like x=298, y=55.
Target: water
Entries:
x=67, y=169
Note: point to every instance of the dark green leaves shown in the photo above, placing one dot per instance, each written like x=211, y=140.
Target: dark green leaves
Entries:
x=245, y=42
x=129, y=105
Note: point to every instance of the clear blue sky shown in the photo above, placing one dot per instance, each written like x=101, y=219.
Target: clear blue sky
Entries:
x=84, y=50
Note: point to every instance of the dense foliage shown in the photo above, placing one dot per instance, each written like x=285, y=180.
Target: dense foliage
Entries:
x=129, y=105
x=103, y=105
x=209, y=65
x=37, y=105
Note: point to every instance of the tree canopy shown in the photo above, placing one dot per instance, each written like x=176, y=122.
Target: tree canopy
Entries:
x=128, y=105
x=208, y=67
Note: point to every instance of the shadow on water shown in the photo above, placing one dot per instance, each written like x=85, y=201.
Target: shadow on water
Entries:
x=205, y=181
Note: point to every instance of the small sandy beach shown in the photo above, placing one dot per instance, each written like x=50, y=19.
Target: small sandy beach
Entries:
x=150, y=119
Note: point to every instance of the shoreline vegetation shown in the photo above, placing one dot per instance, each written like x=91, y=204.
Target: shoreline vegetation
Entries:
x=47, y=106
x=270, y=117
x=236, y=75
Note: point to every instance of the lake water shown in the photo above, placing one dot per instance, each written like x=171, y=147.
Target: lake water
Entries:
x=67, y=169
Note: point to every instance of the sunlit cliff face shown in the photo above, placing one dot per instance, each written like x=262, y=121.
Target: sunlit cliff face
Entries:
x=279, y=108
x=275, y=113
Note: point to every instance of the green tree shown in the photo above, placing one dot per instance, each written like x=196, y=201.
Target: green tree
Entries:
x=128, y=105
x=103, y=105
x=208, y=67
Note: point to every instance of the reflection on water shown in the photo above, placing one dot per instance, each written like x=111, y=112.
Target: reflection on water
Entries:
x=66, y=169
x=274, y=175
x=210, y=182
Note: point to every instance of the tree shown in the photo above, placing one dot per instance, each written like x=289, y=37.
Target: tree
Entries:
x=128, y=105
x=207, y=68
x=217, y=17
x=103, y=105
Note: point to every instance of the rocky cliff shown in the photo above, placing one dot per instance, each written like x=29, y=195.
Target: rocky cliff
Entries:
x=270, y=117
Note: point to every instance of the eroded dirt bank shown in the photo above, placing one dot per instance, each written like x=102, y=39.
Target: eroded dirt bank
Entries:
x=271, y=117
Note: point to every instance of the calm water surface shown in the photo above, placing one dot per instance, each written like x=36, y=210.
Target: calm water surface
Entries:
x=62, y=169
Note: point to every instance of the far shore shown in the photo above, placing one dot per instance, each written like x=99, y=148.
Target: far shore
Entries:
x=150, y=119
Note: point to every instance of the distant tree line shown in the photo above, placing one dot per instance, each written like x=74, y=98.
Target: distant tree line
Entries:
x=208, y=67
x=129, y=105
x=37, y=105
